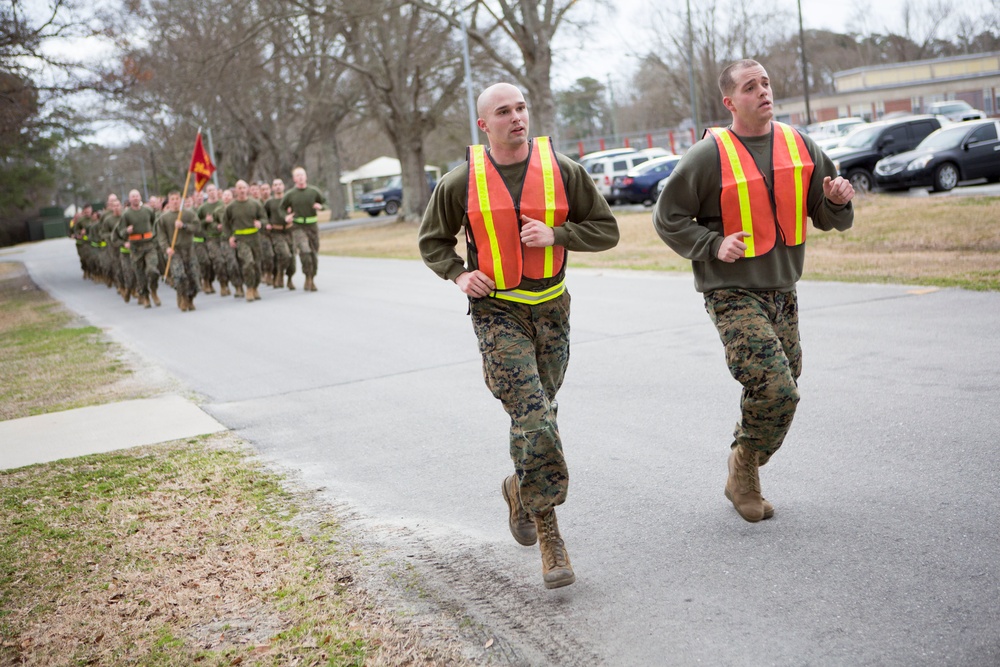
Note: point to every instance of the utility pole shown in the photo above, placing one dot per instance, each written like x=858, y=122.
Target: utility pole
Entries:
x=211, y=154
x=694, y=89
x=614, y=111
x=805, y=65
x=473, y=126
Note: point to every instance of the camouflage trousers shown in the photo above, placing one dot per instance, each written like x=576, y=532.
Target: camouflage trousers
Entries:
x=184, y=269
x=248, y=255
x=305, y=239
x=126, y=270
x=525, y=353
x=266, y=252
x=760, y=332
x=284, y=253
x=216, y=247
x=203, y=260
x=145, y=262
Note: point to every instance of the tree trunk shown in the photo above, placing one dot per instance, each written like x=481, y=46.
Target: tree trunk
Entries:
x=329, y=160
x=410, y=151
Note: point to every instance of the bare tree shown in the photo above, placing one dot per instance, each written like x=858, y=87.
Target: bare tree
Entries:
x=411, y=67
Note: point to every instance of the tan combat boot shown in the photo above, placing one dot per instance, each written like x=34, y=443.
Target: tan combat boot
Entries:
x=279, y=281
x=154, y=296
x=224, y=288
x=556, y=568
x=180, y=301
x=144, y=301
x=312, y=283
x=190, y=303
x=290, y=285
x=522, y=527
x=239, y=294
x=256, y=293
x=743, y=485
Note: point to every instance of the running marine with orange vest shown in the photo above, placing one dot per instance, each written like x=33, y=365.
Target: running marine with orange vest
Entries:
x=487, y=200
x=767, y=186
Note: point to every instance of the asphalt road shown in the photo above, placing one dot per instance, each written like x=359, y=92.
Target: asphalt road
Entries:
x=884, y=546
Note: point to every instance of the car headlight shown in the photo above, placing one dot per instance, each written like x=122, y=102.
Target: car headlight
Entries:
x=919, y=163
x=378, y=198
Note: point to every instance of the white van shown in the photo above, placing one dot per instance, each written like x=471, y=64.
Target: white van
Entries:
x=589, y=159
x=830, y=133
x=604, y=170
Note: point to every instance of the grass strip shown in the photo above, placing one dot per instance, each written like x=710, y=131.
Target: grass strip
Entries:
x=48, y=362
x=951, y=241
x=188, y=553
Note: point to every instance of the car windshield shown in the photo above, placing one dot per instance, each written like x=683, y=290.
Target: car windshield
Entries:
x=863, y=138
x=394, y=182
x=947, y=138
x=951, y=107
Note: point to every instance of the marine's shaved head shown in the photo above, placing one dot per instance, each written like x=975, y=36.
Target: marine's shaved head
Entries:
x=487, y=98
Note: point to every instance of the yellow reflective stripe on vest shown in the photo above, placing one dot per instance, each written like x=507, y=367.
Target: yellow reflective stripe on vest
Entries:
x=793, y=151
x=741, y=189
x=482, y=190
x=306, y=221
x=197, y=239
x=531, y=298
x=548, y=183
x=245, y=232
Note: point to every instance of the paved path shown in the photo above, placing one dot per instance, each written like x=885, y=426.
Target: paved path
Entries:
x=884, y=547
x=101, y=428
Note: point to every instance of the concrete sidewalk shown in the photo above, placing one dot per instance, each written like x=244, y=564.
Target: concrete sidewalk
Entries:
x=101, y=428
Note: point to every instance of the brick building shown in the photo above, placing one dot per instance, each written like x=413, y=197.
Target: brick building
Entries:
x=873, y=92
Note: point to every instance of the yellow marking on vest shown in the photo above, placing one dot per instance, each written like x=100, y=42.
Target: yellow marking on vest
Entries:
x=482, y=188
x=793, y=151
x=746, y=218
x=532, y=298
x=545, y=153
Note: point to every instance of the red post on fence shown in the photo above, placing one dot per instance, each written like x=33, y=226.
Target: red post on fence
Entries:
x=673, y=146
x=649, y=141
x=602, y=144
x=579, y=148
x=693, y=138
x=626, y=143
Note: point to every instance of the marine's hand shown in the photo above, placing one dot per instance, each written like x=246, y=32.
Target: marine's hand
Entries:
x=733, y=247
x=256, y=223
x=536, y=234
x=475, y=283
x=179, y=224
x=170, y=252
x=289, y=217
x=838, y=190
x=318, y=206
x=232, y=241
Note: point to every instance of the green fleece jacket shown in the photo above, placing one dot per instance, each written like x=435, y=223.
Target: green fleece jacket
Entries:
x=688, y=219
x=590, y=227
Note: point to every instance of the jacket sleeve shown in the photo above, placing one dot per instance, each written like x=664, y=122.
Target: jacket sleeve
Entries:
x=591, y=226
x=441, y=224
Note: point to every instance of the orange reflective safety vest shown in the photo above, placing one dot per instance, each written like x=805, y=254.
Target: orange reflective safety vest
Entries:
x=749, y=205
x=495, y=219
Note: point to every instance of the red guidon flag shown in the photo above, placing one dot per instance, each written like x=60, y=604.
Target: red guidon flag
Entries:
x=201, y=165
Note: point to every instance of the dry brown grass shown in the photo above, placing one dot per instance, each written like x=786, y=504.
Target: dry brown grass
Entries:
x=187, y=553
x=946, y=241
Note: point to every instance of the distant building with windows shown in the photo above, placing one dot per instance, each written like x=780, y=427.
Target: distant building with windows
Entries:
x=873, y=92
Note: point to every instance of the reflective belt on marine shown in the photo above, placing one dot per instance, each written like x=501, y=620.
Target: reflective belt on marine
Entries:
x=98, y=244
x=140, y=237
x=198, y=239
x=306, y=221
x=125, y=251
x=531, y=298
x=245, y=232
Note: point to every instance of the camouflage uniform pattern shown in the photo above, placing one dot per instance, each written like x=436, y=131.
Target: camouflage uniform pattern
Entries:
x=146, y=264
x=525, y=353
x=760, y=332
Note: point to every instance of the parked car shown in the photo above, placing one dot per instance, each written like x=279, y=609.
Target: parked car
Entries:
x=638, y=186
x=961, y=152
x=590, y=158
x=856, y=157
x=955, y=110
x=830, y=133
x=388, y=198
x=604, y=170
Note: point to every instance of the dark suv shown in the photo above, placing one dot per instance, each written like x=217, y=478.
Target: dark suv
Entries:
x=388, y=198
x=855, y=158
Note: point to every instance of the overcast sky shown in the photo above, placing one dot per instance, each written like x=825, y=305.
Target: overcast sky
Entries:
x=621, y=33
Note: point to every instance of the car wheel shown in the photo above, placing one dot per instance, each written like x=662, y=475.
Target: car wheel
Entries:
x=861, y=180
x=945, y=177
x=391, y=207
x=374, y=213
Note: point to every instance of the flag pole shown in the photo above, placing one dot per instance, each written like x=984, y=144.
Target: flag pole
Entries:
x=180, y=211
